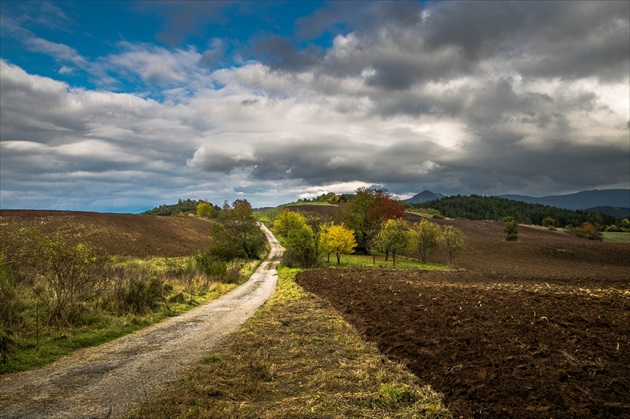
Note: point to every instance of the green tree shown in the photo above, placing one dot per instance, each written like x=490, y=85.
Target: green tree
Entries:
x=426, y=238
x=336, y=238
x=300, y=248
x=299, y=239
x=236, y=234
x=510, y=229
x=453, y=240
x=204, y=209
x=393, y=237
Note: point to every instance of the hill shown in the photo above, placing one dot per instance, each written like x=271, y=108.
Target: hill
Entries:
x=424, y=196
x=185, y=206
x=475, y=207
x=580, y=200
x=116, y=234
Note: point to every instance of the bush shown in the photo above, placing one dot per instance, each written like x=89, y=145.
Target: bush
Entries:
x=510, y=229
x=587, y=231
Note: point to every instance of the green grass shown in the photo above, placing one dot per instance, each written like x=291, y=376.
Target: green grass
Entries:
x=616, y=237
x=297, y=357
x=378, y=261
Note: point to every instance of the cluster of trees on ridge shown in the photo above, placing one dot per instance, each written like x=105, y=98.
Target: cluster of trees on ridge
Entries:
x=370, y=221
x=184, y=207
x=475, y=207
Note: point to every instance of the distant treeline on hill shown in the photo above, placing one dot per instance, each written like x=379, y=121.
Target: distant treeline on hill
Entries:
x=183, y=206
x=475, y=207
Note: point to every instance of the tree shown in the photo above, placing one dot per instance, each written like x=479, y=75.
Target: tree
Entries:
x=453, y=240
x=300, y=248
x=336, y=238
x=367, y=211
x=510, y=229
x=204, y=209
x=393, y=237
x=236, y=233
x=299, y=240
x=426, y=238
x=288, y=221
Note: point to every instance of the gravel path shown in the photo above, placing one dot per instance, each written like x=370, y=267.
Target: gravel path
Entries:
x=110, y=379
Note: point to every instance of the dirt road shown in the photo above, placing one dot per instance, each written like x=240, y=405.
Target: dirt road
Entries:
x=109, y=380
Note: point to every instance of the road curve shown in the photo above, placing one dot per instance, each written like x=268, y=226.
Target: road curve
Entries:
x=107, y=381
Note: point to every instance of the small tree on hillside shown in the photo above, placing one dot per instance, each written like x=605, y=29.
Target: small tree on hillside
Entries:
x=452, y=239
x=426, y=238
x=336, y=239
x=204, y=209
x=510, y=229
x=393, y=237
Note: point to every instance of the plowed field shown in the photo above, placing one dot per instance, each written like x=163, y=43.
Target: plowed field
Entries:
x=117, y=234
x=535, y=328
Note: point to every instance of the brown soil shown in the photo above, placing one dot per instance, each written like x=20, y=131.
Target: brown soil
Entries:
x=535, y=328
x=116, y=234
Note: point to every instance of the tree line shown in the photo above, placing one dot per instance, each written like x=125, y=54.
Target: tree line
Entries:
x=371, y=220
x=475, y=207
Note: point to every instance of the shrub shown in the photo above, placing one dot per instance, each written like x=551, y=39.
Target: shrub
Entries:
x=510, y=229
x=588, y=231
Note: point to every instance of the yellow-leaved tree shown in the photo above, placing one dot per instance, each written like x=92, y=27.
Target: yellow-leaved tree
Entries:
x=336, y=238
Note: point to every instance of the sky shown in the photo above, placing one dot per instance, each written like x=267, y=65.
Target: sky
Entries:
x=123, y=106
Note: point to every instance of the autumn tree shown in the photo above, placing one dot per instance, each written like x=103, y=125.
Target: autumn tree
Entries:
x=287, y=221
x=393, y=237
x=452, y=238
x=204, y=209
x=426, y=237
x=367, y=211
x=336, y=238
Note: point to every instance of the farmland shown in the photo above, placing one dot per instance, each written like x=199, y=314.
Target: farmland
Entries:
x=536, y=327
x=529, y=328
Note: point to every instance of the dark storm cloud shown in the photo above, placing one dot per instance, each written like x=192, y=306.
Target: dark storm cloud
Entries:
x=183, y=18
x=278, y=53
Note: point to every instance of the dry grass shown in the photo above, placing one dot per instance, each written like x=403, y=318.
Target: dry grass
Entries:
x=296, y=358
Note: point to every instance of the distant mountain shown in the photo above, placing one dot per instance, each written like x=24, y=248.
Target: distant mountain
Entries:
x=424, y=196
x=618, y=198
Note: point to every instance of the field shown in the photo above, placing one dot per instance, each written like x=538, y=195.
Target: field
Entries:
x=116, y=234
x=538, y=327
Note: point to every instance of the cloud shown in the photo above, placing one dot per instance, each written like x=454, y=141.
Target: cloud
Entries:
x=456, y=97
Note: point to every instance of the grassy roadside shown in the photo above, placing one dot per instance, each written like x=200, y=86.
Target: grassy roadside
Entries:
x=296, y=358
x=35, y=349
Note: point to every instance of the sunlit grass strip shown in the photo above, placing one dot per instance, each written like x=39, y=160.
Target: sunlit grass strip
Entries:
x=296, y=358
x=378, y=261
x=616, y=237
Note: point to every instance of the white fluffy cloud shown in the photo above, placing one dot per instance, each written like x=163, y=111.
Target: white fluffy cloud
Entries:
x=410, y=107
